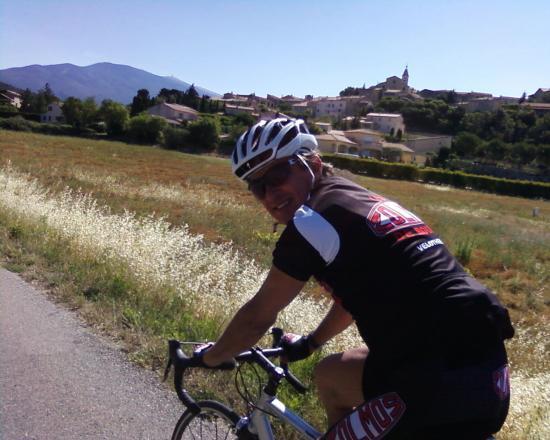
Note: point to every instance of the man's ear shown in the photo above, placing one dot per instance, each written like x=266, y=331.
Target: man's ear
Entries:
x=316, y=165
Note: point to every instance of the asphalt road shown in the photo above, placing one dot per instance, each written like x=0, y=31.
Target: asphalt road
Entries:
x=58, y=380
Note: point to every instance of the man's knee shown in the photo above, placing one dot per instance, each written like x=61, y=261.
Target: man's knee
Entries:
x=327, y=370
x=341, y=372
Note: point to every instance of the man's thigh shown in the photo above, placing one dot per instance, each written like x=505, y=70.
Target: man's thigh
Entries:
x=341, y=375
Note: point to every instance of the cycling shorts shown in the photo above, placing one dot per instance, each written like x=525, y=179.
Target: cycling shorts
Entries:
x=429, y=399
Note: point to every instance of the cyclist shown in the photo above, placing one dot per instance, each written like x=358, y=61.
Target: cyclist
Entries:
x=435, y=365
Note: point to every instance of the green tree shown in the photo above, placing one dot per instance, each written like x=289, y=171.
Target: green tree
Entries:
x=390, y=105
x=351, y=91
x=146, y=129
x=42, y=99
x=79, y=114
x=202, y=106
x=451, y=97
x=313, y=128
x=115, y=116
x=245, y=119
x=523, y=152
x=141, y=102
x=49, y=95
x=497, y=149
x=192, y=98
x=89, y=113
x=443, y=156
x=540, y=132
x=72, y=111
x=27, y=101
x=175, y=138
x=204, y=133
x=543, y=155
x=399, y=135
x=466, y=144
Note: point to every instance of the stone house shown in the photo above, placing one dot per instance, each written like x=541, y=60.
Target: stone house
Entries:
x=236, y=109
x=393, y=152
x=173, y=113
x=335, y=141
x=540, y=108
x=537, y=96
x=488, y=104
x=428, y=143
x=386, y=122
x=369, y=142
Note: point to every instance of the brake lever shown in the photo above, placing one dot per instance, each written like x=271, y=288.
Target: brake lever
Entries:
x=277, y=333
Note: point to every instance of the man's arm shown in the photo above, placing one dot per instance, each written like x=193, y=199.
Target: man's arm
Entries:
x=335, y=322
x=254, y=318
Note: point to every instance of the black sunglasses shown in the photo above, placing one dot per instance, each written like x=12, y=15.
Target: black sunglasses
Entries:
x=275, y=176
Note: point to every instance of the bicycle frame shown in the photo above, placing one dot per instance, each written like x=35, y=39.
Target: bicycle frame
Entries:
x=260, y=424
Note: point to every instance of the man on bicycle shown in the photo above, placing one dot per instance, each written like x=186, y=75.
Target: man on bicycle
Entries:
x=435, y=365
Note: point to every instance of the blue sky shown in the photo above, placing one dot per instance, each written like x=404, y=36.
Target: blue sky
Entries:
x=292, y=47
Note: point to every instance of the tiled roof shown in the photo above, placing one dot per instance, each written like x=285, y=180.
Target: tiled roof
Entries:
x=537, y=105
x=181, y=108
x=235, y=107
x=364, y=131
x=385, y=115
x=331, y=136
x=400, y=147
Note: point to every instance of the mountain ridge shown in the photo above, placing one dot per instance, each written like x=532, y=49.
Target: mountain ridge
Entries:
x=104, y=80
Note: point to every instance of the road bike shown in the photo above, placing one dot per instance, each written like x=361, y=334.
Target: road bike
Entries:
x=209, y=419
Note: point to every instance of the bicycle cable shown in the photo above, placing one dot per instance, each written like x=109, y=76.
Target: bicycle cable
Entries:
x=244, y=393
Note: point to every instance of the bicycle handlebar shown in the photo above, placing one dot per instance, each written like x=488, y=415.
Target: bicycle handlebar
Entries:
x=260, y=356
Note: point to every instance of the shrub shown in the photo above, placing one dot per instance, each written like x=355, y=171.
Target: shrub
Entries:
x=146, y=129
x=458, y=179
x=175, y=138
x=204, y=134
x=18, y=123
x=57, y=129
x=115, y=116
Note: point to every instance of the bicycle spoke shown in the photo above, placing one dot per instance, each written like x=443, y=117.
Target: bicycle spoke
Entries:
x=210, y=426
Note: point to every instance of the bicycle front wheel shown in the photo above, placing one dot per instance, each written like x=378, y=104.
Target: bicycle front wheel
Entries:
x=215, y=421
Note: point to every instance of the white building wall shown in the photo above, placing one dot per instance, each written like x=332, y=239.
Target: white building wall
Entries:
x=53, y=114
x=386, y=122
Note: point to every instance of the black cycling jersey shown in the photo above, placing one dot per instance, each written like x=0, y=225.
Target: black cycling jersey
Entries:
x=408, y=295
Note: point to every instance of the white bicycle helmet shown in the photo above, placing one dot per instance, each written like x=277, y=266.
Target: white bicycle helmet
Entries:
x=270, y=140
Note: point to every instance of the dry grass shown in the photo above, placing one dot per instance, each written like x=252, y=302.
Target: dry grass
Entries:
x=510, y=249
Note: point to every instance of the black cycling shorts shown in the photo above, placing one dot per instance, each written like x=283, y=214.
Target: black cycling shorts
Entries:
x=429, y=400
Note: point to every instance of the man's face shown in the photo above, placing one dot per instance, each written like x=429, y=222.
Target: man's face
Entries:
x=282, y=188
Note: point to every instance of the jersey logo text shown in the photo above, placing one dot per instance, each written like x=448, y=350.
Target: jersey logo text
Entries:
x=428, y=244
x=387, y=216
x=371, y=421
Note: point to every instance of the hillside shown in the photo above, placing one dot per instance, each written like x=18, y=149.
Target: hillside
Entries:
x=101, y=80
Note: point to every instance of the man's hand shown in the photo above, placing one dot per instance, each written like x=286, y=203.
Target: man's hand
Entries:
x=201, y=353
x=295, y=347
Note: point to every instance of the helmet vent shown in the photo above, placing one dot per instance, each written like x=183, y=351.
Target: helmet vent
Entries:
x=243, y=143
x=256, y=138
x=291, y=134
x=274, y=132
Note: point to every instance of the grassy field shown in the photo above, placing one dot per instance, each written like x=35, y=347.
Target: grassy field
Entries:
x=116, y=246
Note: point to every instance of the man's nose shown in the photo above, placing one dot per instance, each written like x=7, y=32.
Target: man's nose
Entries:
x=272, y=191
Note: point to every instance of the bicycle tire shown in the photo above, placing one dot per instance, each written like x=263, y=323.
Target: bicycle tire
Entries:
x=215, y=421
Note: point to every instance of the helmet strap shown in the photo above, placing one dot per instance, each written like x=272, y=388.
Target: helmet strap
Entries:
x=309, y=169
